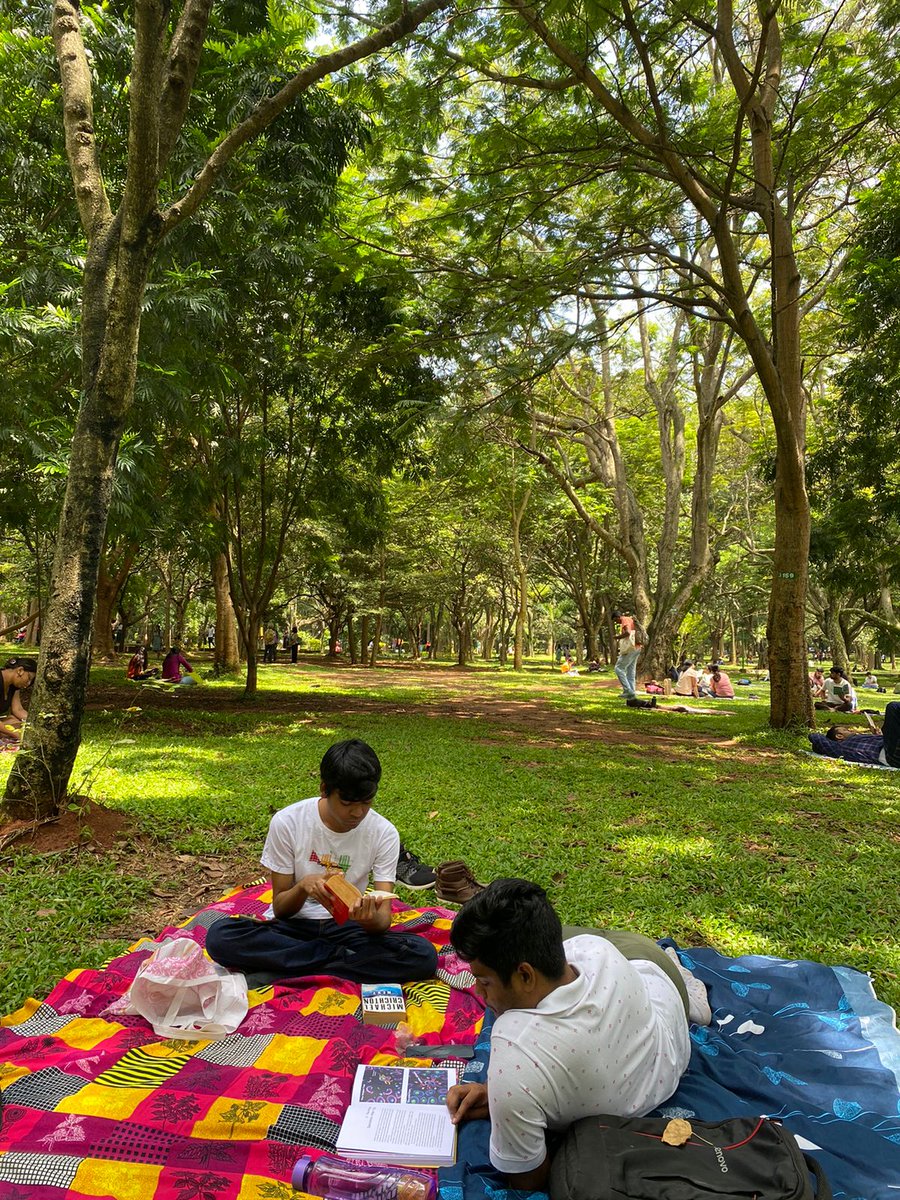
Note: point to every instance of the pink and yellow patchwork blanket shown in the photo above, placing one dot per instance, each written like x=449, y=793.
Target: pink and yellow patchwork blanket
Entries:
x=95, y=1105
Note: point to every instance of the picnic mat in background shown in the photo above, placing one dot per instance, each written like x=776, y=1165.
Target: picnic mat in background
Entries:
x=805, y=1043
x=99, y=1107
x=96, y=1105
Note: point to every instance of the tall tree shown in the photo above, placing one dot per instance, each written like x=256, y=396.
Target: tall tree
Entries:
x=743, y=118
x=126, y=212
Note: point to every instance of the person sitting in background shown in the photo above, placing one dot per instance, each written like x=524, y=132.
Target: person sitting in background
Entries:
x=688, y=681
x=176, y=668
x=839, y=693
x=138, y=668
x=817, y=684
x=16, y=675
x=720, y=684
x=871, y=682
x=704, y=683
x=654, y=687
x=594, y=665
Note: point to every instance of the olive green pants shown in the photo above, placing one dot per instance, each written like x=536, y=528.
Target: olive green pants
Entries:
x=635, y=945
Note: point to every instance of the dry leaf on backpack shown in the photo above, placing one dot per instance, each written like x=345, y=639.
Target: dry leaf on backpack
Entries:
x=677, y=1132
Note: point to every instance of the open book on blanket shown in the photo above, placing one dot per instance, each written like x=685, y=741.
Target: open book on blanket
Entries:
x=399, y=1115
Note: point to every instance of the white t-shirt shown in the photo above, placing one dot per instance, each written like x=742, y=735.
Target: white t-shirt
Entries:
x=684, y=686
x=615, y=1040
x=299, y=843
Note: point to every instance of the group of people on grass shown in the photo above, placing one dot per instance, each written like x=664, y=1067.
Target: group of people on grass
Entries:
x=175, y=667
x=588, y=1021
x=712, y=682
x=290, y=640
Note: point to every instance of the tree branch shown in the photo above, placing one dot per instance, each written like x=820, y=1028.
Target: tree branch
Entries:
x=142, y=174
x=273, y=106
x=181, y=71
x=78, y=117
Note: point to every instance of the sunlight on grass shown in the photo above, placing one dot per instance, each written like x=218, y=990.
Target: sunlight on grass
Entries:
x=715, y=830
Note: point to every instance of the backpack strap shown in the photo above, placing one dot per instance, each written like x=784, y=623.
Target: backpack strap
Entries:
x=823, y=1187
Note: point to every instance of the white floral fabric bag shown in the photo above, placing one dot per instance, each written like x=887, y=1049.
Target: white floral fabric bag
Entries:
x=184, y=994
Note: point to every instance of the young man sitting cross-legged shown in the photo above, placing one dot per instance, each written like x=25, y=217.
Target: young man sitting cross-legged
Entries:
x=307, y=841
x=594, y=1024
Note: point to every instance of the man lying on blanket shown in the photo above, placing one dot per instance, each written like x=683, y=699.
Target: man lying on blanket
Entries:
x=594, y=1024
x=307, y=841
x=882, y=749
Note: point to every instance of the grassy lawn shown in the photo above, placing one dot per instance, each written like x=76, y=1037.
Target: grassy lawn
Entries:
x=709, y=829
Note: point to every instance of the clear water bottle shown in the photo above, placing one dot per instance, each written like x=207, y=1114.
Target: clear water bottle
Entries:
x=340, y=1180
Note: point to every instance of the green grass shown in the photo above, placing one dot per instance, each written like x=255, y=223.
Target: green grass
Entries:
x=748, y=846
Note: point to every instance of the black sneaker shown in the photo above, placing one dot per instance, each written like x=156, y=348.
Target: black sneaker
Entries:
x=412, y=873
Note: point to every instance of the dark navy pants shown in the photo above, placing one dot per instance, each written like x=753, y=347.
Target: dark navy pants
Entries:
x=300, y=947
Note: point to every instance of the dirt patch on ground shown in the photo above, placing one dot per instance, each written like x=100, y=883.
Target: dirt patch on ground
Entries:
x=525, y=719
x=88, y=825
x=180, y=884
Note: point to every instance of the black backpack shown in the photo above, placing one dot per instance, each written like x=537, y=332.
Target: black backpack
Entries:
x=745, y=1158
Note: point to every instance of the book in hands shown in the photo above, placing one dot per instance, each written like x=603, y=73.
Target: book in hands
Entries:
x=344, y=896
x=399, y=1115
x=382, y=1003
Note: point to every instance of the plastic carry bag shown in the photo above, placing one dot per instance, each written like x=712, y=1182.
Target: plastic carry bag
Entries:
x=183, y=994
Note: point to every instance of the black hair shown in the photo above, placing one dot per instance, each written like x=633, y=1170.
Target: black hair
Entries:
x=615, y=614
x=509, y=923
x=839, y=670
x=27, y=664
x=352, y=768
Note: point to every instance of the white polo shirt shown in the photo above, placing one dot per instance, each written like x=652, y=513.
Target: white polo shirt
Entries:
x=615, y=1041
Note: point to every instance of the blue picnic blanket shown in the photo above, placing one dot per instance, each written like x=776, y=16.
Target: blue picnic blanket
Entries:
x=805, y=1043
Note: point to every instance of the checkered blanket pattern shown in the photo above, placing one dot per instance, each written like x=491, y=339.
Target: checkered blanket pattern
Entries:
x=96, y=1105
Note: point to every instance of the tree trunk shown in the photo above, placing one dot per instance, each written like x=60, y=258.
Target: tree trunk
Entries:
x=659, y=652
x=226, y=658
x=460, y=643
x=364, y=639
x=351, y=640
x=252, y=679
x=376, y=639
x=521, y=612
x=248, y=628
x=437, y=629
x=114, y=282
x=835, y=635
x=102, y=648
x=487, y=637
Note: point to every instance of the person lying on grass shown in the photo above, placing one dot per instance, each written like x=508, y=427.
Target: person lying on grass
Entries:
x=596, y=1023
x=336, y=831
x=870, y=746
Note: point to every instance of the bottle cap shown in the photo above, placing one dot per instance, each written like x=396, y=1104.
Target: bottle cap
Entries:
x=299, y=1173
